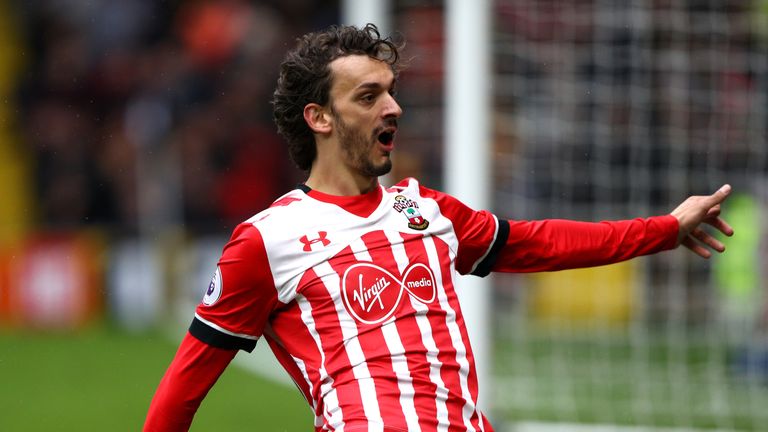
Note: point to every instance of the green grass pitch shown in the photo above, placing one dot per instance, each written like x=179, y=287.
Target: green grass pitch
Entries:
x=102, y=379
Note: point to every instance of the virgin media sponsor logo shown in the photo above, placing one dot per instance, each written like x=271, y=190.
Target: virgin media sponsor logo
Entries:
x=372, y=294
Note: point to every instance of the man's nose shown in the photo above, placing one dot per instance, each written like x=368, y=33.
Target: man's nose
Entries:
x=392, y=108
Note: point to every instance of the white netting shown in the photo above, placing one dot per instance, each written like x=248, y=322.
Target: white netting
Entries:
x=609, y=110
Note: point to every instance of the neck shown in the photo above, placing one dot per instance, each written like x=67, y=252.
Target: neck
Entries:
x=337, y=181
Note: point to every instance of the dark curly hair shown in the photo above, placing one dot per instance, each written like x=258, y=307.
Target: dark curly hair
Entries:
x=305, y=77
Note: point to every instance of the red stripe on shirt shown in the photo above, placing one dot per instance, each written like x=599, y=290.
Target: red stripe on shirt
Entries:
x=438, y=318
x=443, y=253
x=337, y=362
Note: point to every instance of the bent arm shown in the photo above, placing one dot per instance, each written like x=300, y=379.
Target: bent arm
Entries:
x=193, y=371
x=556, y=244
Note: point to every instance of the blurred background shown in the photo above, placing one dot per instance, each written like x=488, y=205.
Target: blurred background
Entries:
x=135, y=134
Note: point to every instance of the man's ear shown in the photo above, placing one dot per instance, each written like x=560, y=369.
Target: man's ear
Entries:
x=318, y=119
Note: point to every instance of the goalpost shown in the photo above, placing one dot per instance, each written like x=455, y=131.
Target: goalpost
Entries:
x=466, y=119
x=467, y=110
x=467, y=156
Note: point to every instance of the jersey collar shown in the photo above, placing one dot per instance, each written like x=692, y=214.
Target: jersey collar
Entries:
x=359, y=205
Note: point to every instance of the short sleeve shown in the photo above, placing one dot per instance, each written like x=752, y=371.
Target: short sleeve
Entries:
x=241, y=295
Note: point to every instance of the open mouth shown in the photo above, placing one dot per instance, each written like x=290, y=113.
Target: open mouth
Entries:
x=386, y=137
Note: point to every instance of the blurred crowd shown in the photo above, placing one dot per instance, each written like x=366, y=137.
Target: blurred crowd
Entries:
x=144, y=115
x=140, y=114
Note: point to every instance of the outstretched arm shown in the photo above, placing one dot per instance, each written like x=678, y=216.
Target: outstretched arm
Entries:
x=557, y=244
x=698, y=210
x=561, y=244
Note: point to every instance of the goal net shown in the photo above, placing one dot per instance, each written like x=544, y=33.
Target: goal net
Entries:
x=609, y=110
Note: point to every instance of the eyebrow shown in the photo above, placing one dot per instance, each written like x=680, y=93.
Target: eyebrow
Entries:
x=374, y=85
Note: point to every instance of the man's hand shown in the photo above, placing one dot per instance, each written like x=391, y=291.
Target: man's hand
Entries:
x=697, y=210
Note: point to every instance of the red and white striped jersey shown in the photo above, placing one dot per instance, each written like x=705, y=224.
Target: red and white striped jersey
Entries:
x=355, y=295
x=356, y=298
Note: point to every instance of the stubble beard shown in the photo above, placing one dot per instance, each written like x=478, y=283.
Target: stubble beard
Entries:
x=358, y=148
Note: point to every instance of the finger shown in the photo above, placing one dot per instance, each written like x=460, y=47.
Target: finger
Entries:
x=719, y=196
x=696, y=248
x=721, y=225
x=714, y=211
x=707, y=239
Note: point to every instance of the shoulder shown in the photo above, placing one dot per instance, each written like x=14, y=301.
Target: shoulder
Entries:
x=412, y=186
x=251, y=234
x=283, y=210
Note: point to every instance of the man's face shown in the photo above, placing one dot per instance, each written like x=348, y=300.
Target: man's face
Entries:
x=364, y=113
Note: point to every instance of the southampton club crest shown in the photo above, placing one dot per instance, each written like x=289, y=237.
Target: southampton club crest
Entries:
x=410, y=209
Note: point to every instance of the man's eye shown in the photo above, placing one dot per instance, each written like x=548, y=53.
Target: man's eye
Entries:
x=367, y=98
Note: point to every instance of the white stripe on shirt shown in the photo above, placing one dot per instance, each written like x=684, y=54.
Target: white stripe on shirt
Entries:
x=362, y=375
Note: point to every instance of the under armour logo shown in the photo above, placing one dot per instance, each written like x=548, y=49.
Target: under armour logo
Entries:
x=322, y=238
